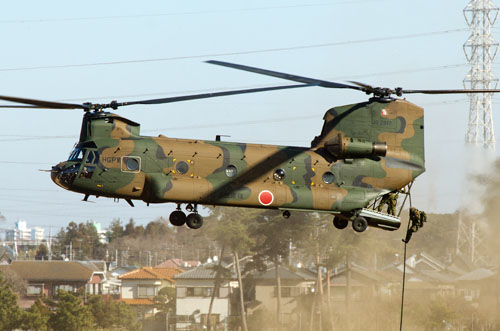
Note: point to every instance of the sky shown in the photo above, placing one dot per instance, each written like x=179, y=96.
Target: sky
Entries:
x=100, y=51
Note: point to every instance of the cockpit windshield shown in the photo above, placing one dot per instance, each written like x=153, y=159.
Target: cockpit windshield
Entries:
x=76, y=154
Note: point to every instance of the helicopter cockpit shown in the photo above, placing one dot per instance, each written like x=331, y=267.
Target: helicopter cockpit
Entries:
x=81, y=163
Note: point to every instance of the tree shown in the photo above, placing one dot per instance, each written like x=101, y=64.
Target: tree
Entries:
x=111, y=314
x=84, y=240
x=165, y=300
x=16, y=283
x=274, y=234
x=10, y=313
x=133, y=231
x=231, y=231
x=157, y=229
x=36, y=317
x=71, y=314
x=42, y=252
x=221, y=274
x=115, y=230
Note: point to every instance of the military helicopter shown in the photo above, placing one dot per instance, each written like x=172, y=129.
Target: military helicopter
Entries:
x=364, y=151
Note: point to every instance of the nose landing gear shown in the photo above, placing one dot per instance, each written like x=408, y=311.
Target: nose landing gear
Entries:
x=193, y=220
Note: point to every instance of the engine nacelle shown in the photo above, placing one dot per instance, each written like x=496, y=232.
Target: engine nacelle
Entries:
x=351, y=148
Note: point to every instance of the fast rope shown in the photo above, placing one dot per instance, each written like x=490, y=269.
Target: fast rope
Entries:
x=404, y=278
x=408, y=195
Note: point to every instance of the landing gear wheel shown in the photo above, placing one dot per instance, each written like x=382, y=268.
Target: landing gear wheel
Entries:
x=177, y=218
x=340, y=223
x=359, y=224
x=286, y=214
x=194, y=221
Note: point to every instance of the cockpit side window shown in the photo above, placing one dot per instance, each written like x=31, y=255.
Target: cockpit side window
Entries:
x=92, y=157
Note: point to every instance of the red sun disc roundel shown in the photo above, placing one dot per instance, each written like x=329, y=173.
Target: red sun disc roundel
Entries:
x=266, y=198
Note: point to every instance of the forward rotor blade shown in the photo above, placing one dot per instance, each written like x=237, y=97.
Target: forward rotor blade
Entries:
x=40, y=103
x=23, y=107
x=207, y=95
x=451, y=91
x=300, y=79
x=364, y=87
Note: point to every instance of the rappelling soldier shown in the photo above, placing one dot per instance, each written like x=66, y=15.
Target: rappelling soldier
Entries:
x=417, y=219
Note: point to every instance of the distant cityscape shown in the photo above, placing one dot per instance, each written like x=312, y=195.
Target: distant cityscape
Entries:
x=22, y=235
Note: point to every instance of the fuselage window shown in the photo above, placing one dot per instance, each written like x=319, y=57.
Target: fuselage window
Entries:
x=182, y=167
x=279, y=174
x=131, y=164
x=231, y=171
x=328, y=177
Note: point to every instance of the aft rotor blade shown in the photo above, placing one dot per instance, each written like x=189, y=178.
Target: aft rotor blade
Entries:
x=40, y=103
x=300, y=79
x=451, y=91
x=206, y=95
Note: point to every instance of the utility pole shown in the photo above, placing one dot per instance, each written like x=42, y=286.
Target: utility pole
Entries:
x=480, y=50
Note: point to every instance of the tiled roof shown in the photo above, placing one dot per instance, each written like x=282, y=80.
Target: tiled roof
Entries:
x=201, y=272
x=138, y=302
x=168, y=272
x=51, y=270
x=176, y=263
x=285, y=274
x=152, y=273
x=478, y=274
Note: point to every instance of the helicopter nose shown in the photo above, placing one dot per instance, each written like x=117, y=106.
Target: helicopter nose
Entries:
x=63, y=175
x=54, y=172
x=55, y=175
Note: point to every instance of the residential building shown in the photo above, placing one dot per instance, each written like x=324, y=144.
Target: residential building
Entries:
x=262, y=293
x=47, y=277
x=194, y=290
x=140, y=286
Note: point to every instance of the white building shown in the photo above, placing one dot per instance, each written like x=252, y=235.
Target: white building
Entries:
x=194, y=290
x=100, y=232
x=21, y=233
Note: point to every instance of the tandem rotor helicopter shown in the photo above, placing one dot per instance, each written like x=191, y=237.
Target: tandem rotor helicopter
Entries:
x=364, y=151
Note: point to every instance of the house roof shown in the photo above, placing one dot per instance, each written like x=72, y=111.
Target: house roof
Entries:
x=178, y=263
x=339, y=277
x=206, y=271
x=53, y=270
x=285, y=274
x=122, y=270
x=152, y=273
x=476, y=275
x=138, y=302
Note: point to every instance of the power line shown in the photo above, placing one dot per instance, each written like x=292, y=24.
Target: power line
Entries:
x=212, y=55
x=200, y=12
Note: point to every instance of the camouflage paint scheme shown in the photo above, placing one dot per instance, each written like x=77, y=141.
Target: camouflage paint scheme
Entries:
x=116, y=161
